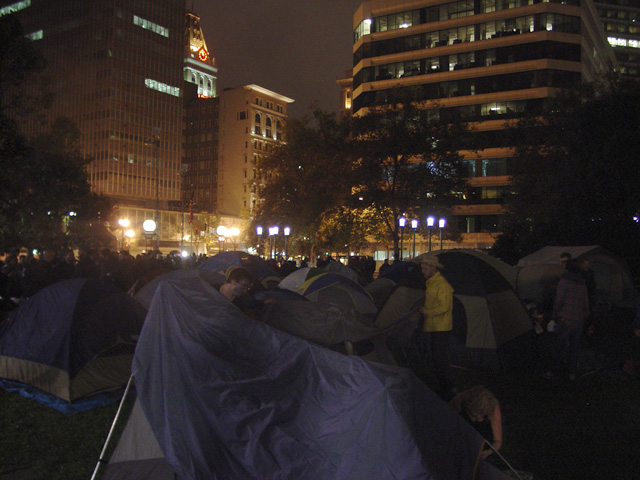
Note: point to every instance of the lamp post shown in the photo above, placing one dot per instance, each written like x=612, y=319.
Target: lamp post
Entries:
x=402, y=221
x=276, y=231
x=272, y=232
x=430, y=223
x=222, y=232
x=259, y=233
x=183, y=170
x=124, y=223
x=287, y=232
x=441, y=223
x=414, y=226
x=149, y=227
x=233, y=232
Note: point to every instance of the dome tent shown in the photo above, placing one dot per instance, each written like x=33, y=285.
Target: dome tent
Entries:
x=490, y=323
x=72, y=339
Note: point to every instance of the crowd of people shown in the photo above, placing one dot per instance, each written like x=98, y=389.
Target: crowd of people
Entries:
x=23, y=273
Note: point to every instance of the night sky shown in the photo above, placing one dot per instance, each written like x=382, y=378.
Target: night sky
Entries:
x=297, y=48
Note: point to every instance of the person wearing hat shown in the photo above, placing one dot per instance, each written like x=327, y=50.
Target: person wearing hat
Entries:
x=438, y=319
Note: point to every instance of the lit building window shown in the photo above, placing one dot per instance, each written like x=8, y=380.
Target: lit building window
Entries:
x=14, y=7
x=35, y=35
x=147, y=25
x=162, y=87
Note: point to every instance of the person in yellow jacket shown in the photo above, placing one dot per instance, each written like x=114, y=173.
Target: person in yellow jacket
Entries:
x=438, y=319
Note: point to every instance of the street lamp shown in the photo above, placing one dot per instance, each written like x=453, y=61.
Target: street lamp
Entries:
x=149, y=227
x=402, y=221
x=414, y=226
x=155, y=142
x=441, y=223
x=287, y=231
x=124, y=224
x=430, y=223
x=276, y=231
x=259, y=233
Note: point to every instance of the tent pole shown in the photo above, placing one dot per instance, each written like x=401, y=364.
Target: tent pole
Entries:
x=515, y=472
x=113, y=424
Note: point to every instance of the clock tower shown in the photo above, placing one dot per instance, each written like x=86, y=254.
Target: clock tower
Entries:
x=199, y=65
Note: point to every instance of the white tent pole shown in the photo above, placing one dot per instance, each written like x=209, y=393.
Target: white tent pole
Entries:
x=113, y=424
x=504, y=460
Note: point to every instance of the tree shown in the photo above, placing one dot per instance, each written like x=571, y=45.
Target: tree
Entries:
x=408, y=164
x=575, y=173
x=45, y=180
x=305, y=180
x=44, y=177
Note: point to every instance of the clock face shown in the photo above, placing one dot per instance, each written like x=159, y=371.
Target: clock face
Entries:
x=203, y=54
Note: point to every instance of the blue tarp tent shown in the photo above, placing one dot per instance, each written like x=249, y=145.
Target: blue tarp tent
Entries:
x=222, y=396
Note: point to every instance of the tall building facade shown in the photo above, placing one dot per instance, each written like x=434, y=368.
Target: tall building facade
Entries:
x=201, y=114
x=485, y=62
x=116, y=69
x=621, y=22
x=251, y=123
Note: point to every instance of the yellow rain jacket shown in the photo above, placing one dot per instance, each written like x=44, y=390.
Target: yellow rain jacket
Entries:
x=438, y=304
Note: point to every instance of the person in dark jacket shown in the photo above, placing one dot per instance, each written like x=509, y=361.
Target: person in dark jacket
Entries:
x=570, y=310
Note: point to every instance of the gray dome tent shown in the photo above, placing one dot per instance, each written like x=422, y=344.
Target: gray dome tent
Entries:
x=490, y=321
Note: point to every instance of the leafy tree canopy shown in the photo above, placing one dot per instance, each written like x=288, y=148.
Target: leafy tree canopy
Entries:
x=338, y=180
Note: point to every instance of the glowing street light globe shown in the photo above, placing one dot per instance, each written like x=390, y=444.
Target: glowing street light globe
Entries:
x=149, y=226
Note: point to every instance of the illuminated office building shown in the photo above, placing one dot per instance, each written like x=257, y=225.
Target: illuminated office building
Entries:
x=621, y=22
x=481, y=61
x=116, y=70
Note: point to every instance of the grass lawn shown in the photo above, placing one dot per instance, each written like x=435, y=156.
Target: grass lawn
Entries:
x=556, y=429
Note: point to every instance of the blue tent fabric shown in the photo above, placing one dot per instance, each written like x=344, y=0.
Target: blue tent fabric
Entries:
x=228, y=397
x=81, y=405
x=63, y=328
x=223, y=260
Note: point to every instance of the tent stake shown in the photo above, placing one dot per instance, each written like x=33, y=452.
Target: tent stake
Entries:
x=113, y=424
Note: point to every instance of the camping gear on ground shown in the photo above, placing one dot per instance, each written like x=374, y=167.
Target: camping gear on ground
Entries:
x=72, y=339
x=222, y=396
x=145, y=294
x=259, y=268
x=335, y=288
x=540, y=271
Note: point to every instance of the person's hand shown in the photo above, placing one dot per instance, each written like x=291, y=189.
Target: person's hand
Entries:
x=486, y=453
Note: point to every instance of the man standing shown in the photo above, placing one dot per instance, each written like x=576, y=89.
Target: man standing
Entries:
x=570, y=309
x=438, y=319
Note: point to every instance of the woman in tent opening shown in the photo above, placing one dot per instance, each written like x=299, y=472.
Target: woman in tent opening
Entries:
x=481, y=408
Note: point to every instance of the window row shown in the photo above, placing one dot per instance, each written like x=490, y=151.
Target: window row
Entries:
x=154, y=27
x=623, y=42
x=460, y=61
x=470, y=33
x=473, y=86
x=447, y=11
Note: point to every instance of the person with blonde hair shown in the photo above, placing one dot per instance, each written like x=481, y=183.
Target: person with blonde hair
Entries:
x=482, y=410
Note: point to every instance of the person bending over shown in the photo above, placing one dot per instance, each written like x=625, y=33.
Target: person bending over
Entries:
x=482, y=410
